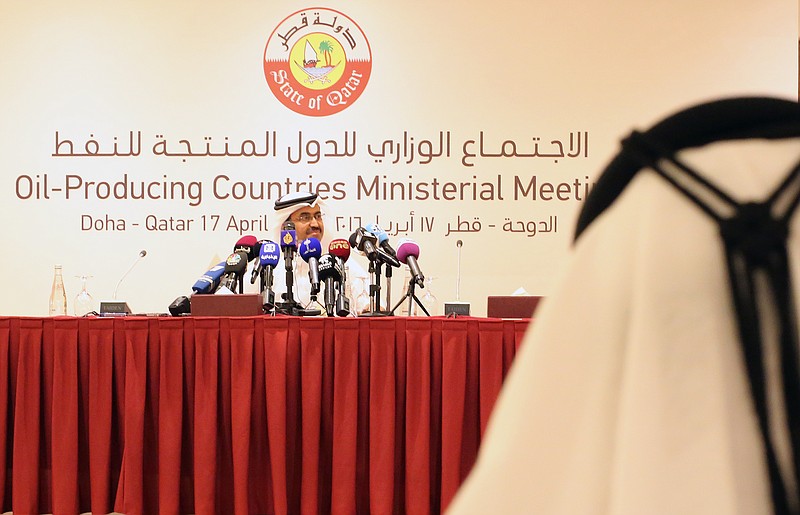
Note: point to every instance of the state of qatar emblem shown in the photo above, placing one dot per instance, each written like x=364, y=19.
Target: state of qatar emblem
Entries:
x=317, y=61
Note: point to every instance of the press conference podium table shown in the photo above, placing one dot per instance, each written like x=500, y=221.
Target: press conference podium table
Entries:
x=245, y=415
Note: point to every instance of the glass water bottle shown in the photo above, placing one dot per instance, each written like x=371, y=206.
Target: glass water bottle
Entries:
x=58, y=295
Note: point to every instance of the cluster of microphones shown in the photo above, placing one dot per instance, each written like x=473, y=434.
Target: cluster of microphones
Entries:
x=327, y=272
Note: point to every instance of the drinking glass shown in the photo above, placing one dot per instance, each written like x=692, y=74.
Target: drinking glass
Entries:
x=84, y=302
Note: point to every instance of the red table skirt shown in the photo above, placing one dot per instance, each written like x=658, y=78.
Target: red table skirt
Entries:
x=245, y=415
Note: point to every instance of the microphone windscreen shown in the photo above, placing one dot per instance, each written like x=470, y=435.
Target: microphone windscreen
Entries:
x=288, y=239
x=340, y=248
x=248, y=244
x=209, y=281
x=407, y=248
x=328, y=268
x=310, y=248
x=236, y=263
x=255, y=251
x=364, y=241
x=270, y=253
x=378, y=232
x=247, y=239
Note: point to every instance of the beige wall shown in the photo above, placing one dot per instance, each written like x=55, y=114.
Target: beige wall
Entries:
x=512, y=71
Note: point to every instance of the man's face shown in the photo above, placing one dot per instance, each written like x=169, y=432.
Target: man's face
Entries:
x=308, y=223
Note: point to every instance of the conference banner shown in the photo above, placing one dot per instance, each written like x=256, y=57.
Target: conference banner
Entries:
x=477, y=129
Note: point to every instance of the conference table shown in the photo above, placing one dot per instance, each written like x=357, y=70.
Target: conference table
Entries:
x=245, y=415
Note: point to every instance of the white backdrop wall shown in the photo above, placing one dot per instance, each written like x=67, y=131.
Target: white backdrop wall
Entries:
x=550, y=87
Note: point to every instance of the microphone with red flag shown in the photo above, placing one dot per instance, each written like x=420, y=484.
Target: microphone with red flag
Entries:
x=340, y=249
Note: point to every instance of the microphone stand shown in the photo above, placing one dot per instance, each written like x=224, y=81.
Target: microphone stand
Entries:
x=268, y=296
x=342, y=302
x=375, y=290
x=411, y=299
x=312, y=299
x=289, y=306
x=388, y=286
x=309, y=311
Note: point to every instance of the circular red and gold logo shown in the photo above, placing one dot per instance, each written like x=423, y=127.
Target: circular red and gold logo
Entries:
x=317, y=61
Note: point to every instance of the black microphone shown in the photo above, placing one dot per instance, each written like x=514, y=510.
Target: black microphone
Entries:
x=386, y=258
x=365, y=242
x=342, y=302
x=383, y=238
x=258, y=267
x=330, y=274
x=235, y=266
x=340, y=250
x=288, y=243
x=288, y=247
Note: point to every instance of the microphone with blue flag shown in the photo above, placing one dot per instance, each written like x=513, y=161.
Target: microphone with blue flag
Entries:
x=311, y=251
x=268, y=258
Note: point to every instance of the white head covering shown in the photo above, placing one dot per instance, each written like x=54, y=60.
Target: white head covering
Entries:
x=630, y=394
x=288, y=204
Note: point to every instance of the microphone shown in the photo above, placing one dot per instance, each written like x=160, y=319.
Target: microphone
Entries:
x=142, y=253
x=258, y=267
x=269, y=255
x=383, y=239
x=268, y=258
x=408, y=252
x=209, y=281
x=457, y=308
x=385, y=257
x=382, y=254
x=331, y=272
x=235, y=266
x=267, y=261
x=341, y=250
x=310, y=251
x=256, y=271
x=116, y=307
x=288, y=242
x=364, y=242
x=288, y=245
x=248, y=244
x=459, y=244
